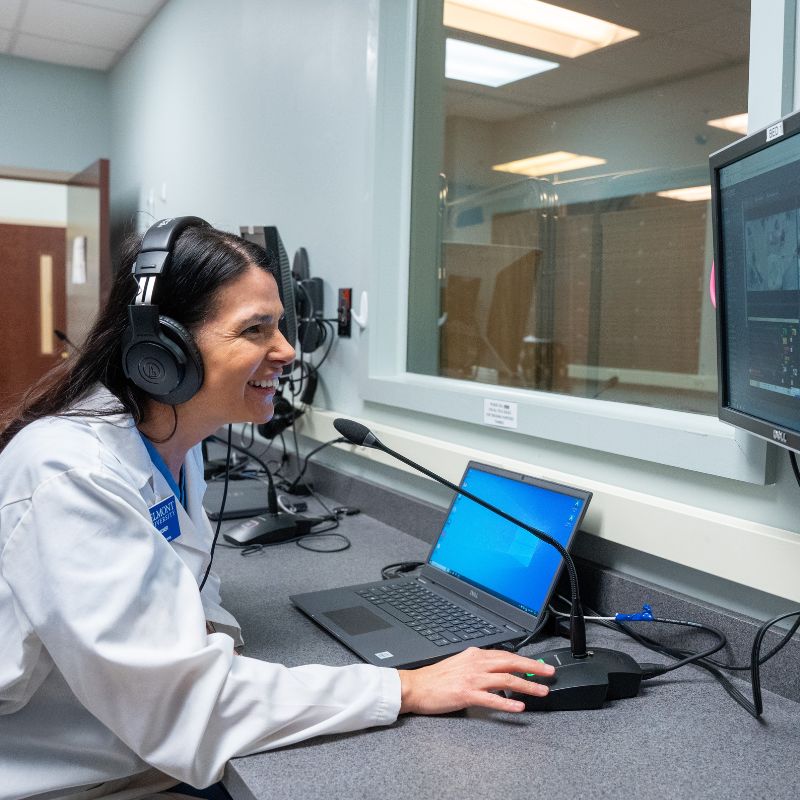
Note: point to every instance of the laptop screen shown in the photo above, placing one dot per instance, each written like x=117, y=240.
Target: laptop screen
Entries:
x=498, y=556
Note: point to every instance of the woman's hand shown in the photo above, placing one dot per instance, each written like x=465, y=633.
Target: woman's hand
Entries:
x=468, y=679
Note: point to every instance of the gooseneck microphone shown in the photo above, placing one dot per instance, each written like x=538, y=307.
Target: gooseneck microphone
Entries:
x=64, y=338
x=275, y=525
x=588, y=678
x=359, y=434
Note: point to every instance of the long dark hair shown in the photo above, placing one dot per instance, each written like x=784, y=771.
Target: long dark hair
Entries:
x=203, y=260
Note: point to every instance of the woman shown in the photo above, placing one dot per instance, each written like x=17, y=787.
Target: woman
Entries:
x=117, y=672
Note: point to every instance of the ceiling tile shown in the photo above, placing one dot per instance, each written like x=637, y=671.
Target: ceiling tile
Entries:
x=73, y=22
x=729, y=34
x=142, y=8
x=654, y=58
x=649, y=16
x=5, y=39
x=483, y=107
x=73, y=55
x=568, y=84
x=9, y=11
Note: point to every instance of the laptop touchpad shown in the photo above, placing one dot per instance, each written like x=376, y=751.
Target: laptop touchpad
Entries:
x=356, y=620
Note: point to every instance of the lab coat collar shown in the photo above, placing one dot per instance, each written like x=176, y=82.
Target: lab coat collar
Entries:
x=118, y=432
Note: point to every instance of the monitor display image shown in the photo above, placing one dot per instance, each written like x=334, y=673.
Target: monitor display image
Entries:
x=756, y=212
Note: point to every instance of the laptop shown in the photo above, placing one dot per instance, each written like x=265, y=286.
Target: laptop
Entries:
x=246, y=498
x=485, y=582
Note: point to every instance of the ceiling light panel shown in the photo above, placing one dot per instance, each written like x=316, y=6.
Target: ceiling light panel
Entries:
x=737, y=123
x=549, y=164
x=690, y=194
x=488, y=66
x=534, y=24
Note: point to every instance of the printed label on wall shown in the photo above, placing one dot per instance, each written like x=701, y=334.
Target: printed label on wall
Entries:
x=774, y=131
x=500, y=413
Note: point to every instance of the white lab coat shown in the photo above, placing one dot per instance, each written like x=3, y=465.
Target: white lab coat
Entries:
x=106, y=668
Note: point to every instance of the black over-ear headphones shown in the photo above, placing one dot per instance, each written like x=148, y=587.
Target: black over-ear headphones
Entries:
x=159, y=355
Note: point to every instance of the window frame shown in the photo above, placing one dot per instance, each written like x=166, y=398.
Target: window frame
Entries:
x=678, y=439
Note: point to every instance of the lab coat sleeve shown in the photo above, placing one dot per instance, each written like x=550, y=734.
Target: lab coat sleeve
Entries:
x=221, y=619
x=122, y=619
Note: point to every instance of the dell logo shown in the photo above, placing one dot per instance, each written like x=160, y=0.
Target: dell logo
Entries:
x=473, y=594
x=779, y=436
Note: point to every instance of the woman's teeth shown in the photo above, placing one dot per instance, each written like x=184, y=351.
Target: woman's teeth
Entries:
x=271, y=384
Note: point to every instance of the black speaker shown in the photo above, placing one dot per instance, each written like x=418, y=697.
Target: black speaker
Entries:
x=159, y=356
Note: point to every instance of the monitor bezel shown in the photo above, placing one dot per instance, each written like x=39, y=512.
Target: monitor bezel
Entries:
x=779, y=131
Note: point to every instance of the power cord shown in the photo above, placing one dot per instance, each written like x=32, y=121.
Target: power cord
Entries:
x=221, y=510
x=399, y=568
x=702, y=659
x=296, y=483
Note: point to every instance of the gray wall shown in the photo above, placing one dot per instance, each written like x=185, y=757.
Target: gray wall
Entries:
x=53, y=118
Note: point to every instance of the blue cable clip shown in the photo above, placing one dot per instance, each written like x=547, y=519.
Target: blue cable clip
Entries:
x=645, y=615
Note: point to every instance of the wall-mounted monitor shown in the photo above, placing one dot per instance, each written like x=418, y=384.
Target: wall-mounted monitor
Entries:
x=755, y=188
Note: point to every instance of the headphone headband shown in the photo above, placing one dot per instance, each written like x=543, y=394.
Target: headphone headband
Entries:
x=158, y=242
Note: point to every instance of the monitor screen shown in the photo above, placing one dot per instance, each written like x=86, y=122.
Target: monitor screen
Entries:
x=496, y=555
x=756, y=210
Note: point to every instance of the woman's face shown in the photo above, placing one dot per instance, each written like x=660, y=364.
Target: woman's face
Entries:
x=243, y=352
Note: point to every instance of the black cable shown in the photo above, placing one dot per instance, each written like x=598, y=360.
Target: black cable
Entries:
x=296, y=481
x=793, y=459
x=330, y=346
x=534, y=633
x=221, y=510
x=684, y=656
x=763, y=660
x=755, y=663
x=399, y=568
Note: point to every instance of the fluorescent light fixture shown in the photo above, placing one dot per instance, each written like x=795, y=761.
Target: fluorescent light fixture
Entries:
x=736, y=123
x=488, y=66
x=549, y=164
x=534, y=24
x=691, y=194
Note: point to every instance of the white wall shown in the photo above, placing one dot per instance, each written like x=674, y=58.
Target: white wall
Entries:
x=33, y=203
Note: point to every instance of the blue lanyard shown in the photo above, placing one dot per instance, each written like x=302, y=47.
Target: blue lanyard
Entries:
x=158, y=463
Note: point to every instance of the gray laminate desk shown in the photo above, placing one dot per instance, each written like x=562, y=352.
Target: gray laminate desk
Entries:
x=682, y=737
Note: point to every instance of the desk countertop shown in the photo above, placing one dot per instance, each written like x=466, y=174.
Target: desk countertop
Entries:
x=682, y=737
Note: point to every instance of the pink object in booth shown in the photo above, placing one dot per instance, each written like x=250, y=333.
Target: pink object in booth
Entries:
x=712, y=287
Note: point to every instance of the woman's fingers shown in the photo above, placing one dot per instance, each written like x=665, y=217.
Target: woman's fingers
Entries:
x=471, y=678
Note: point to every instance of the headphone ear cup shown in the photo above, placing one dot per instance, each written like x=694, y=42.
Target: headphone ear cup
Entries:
x=192, y=379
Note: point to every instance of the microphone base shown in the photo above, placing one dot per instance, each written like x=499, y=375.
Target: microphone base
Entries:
x=583, y=683
x=264, y=529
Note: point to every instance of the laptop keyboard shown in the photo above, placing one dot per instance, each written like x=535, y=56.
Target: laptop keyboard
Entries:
x=427, y=613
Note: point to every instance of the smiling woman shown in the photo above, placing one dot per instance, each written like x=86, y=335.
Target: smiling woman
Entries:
x=117, y=672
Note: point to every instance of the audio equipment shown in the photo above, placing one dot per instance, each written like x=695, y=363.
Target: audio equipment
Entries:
x=159, y=355
x=584, y=678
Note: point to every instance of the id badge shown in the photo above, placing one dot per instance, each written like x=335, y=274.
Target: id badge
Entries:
x=165, y=518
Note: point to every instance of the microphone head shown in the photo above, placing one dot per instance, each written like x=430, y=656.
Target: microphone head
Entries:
x=355, y=432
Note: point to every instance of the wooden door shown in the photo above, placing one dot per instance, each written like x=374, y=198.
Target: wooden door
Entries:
x=32, y=305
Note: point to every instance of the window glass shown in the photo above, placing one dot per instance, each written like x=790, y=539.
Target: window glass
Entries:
x=560, y=232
